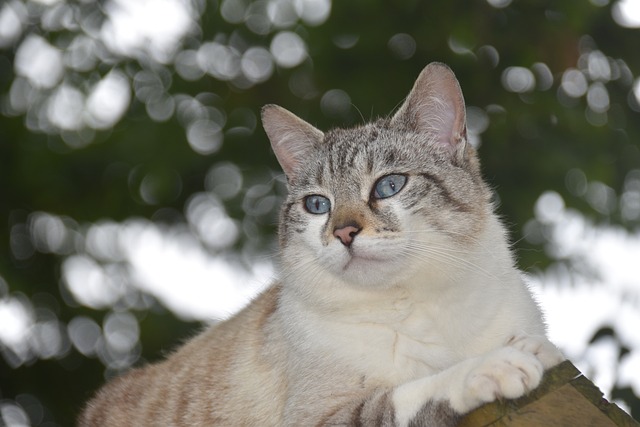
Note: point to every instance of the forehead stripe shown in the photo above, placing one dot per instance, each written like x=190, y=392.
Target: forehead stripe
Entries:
x=458, y=204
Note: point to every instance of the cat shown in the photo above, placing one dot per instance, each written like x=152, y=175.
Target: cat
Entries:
x=398, y=302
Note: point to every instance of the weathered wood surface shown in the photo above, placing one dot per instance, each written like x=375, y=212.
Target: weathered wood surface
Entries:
x=564, y=398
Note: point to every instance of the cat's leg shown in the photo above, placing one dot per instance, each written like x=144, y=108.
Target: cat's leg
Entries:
x=441, y=400
x=378, y=410
x=509, y=372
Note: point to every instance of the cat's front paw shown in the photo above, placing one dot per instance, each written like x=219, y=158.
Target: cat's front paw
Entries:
x=505, y=373
x=547, y=353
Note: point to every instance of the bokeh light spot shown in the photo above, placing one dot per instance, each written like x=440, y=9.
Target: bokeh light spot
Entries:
x=222, y=62
x=16, y=318
x=499, y=4
x=626, y=13
x=48, y=233
x=402, y=45
x=211, y=222
x=13, y=17
x=549, y=207
x=89, y=283
x=13, y=415
x=489, y=54
x=630, y=200
x=233, y=11
x=598, y=97
x=335, y=103
x=84, y=334
x=147, y=27
x=574, y=83
x=81, y=55
x=257, y=64
x=313, y=12
x=598, y=66
x=282, y=13
x=544, y=77
x=518, y=79
x=225, y=180
x=66, y=107
x=288, y=49
x=108, y=100
x=40, y=62
x=204, y=136
x=257, y=19
x=121, y=331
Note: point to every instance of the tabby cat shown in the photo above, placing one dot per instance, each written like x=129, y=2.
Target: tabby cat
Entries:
x=398, y=301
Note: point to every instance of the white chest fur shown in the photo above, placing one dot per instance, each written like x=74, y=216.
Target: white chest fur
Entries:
x=397, y=336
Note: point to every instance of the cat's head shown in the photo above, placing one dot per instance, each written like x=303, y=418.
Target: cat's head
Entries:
x=374, y=204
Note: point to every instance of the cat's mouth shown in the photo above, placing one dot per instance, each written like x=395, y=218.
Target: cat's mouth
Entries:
x=367, y=263
x=368, y=269
x=355, y=258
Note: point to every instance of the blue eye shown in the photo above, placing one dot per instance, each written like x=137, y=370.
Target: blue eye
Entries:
x=388, y=186
x=317, y=204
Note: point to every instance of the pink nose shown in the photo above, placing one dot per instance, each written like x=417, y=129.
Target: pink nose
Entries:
x=346, y=234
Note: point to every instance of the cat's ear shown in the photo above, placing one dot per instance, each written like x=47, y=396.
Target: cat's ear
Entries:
x=292, y=139
x=435, y=106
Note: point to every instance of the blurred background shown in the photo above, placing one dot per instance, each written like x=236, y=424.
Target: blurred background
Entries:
x=139, y=195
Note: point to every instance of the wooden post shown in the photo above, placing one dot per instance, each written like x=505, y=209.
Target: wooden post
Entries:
x=564, y=398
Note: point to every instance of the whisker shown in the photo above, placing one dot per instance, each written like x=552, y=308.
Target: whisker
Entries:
x=437, y=254
x=482, y=244
x=451, y=232
x=438, y=266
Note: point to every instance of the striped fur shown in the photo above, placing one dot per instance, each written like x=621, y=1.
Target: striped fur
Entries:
x=414, y=319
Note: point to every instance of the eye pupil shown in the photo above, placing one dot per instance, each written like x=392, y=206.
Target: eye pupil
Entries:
x=317, y=204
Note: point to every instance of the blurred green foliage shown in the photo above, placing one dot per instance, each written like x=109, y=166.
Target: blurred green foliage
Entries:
x=368, y=53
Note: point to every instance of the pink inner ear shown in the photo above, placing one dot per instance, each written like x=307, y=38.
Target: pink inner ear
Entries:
x=435, y=106
x=292, y=139
x=441, y=117
x=291, y=150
